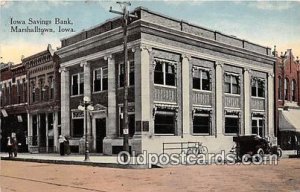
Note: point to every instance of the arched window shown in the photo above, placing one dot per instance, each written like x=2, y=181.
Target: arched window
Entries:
x=286, y=85
x=279, y=88
x=293, y=90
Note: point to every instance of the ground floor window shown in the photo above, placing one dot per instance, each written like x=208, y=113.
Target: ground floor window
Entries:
x=165, y=122
x=201, y=123
x=78, y=127
x=258, y=126
x=232, y=124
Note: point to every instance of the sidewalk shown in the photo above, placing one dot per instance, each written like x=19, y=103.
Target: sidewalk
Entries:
x=73, y=159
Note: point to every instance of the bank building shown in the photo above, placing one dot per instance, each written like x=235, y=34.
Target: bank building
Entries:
x=186, y=84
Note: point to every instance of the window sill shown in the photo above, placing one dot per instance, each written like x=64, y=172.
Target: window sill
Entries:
x=204, y=91
x=166, y=86
x=129, y=86
x=230, y=134
x=232, y=94
x=72, y=96
x=157, y=134
x=201, y=134
x=253, y=97
x=96, y=92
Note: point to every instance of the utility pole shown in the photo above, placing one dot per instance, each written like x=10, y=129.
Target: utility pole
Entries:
x=126, y=15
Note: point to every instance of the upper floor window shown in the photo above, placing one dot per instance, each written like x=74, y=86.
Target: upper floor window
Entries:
x=130, y=76
x=33, y=92
x=201, y=79
x=24, y=90
x=42, y=89
x=77, y=84
x=232, y=85
x=100, y=79
x=18, y=91
x=165, y=73
x=293, y=91
x=258, y=87
x=279, y=88
x=286, y=85
x=51, y=86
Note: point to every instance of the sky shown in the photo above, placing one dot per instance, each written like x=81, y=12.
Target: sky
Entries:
x=267, y=23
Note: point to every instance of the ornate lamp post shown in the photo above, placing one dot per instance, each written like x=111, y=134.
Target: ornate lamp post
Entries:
x=86, y=106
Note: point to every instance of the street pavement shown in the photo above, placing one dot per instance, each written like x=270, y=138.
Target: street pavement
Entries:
x=16, y=176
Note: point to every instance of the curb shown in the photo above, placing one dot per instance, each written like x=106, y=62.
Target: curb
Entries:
x=62, y=162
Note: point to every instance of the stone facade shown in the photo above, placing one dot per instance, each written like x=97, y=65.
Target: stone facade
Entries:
x=167, y=55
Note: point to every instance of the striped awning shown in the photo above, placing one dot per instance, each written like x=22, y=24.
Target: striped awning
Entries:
x=289, y=120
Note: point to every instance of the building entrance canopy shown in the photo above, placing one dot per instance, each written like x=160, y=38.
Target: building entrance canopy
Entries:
x=289, y=120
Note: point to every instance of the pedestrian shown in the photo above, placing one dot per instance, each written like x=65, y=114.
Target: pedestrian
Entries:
x=15, y=146
x=61, y=141
x=9, y=147
x=67, y=146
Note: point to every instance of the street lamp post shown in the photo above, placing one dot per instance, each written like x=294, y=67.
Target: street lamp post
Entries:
x=85, y=107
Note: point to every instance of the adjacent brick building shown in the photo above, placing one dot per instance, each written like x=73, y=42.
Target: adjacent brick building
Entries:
x=43, y=101
x=13, y=88
x=187, y=83
x=288, y=100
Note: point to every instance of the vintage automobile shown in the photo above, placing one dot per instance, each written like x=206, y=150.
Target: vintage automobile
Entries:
x=253, y=144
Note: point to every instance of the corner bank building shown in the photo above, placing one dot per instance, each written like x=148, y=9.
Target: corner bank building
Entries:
x=186, y=84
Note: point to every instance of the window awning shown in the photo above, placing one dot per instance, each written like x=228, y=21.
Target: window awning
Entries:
x=289, y=120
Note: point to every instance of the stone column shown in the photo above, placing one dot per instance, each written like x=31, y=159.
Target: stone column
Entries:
x=111, y=120
x=111, y=123
x=186, y=108
x=88, y=93
x=47, y=129
x=142, y=89
x=219, y=98
x=65, y=101
x=29, y=130
x=247, y=100
x=55, y=130
x=271, y=105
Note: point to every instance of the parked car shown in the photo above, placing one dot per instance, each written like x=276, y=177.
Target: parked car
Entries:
x=253, y=144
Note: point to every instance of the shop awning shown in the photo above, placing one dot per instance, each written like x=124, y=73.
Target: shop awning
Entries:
x=289, y=120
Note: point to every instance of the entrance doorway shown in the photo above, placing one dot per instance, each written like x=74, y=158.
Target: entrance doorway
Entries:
x=100, y=134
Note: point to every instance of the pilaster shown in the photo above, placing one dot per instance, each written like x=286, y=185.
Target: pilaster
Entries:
x=219, y=98
x=65, y=101
x=271, y=104
x=185, y=104
x=247, y=97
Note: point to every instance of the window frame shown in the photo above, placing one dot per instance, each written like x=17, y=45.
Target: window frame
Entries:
x=168, y=113
x=201, y=70
x=293, y=90
x=286, y=90
x=101, y=69
x=131, y=69
x=257, y=81
x=231, y=75
x=78, y=84
x=203, y=114
x=239, y=125
x=257, y=119
x=163, y=63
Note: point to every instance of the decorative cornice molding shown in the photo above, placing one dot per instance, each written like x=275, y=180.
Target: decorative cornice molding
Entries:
x=63, y=69
x=108, y=57
x=145, y=47
x=271, y=75
x=84, y=63
x=219, y=63
x=186, y=56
